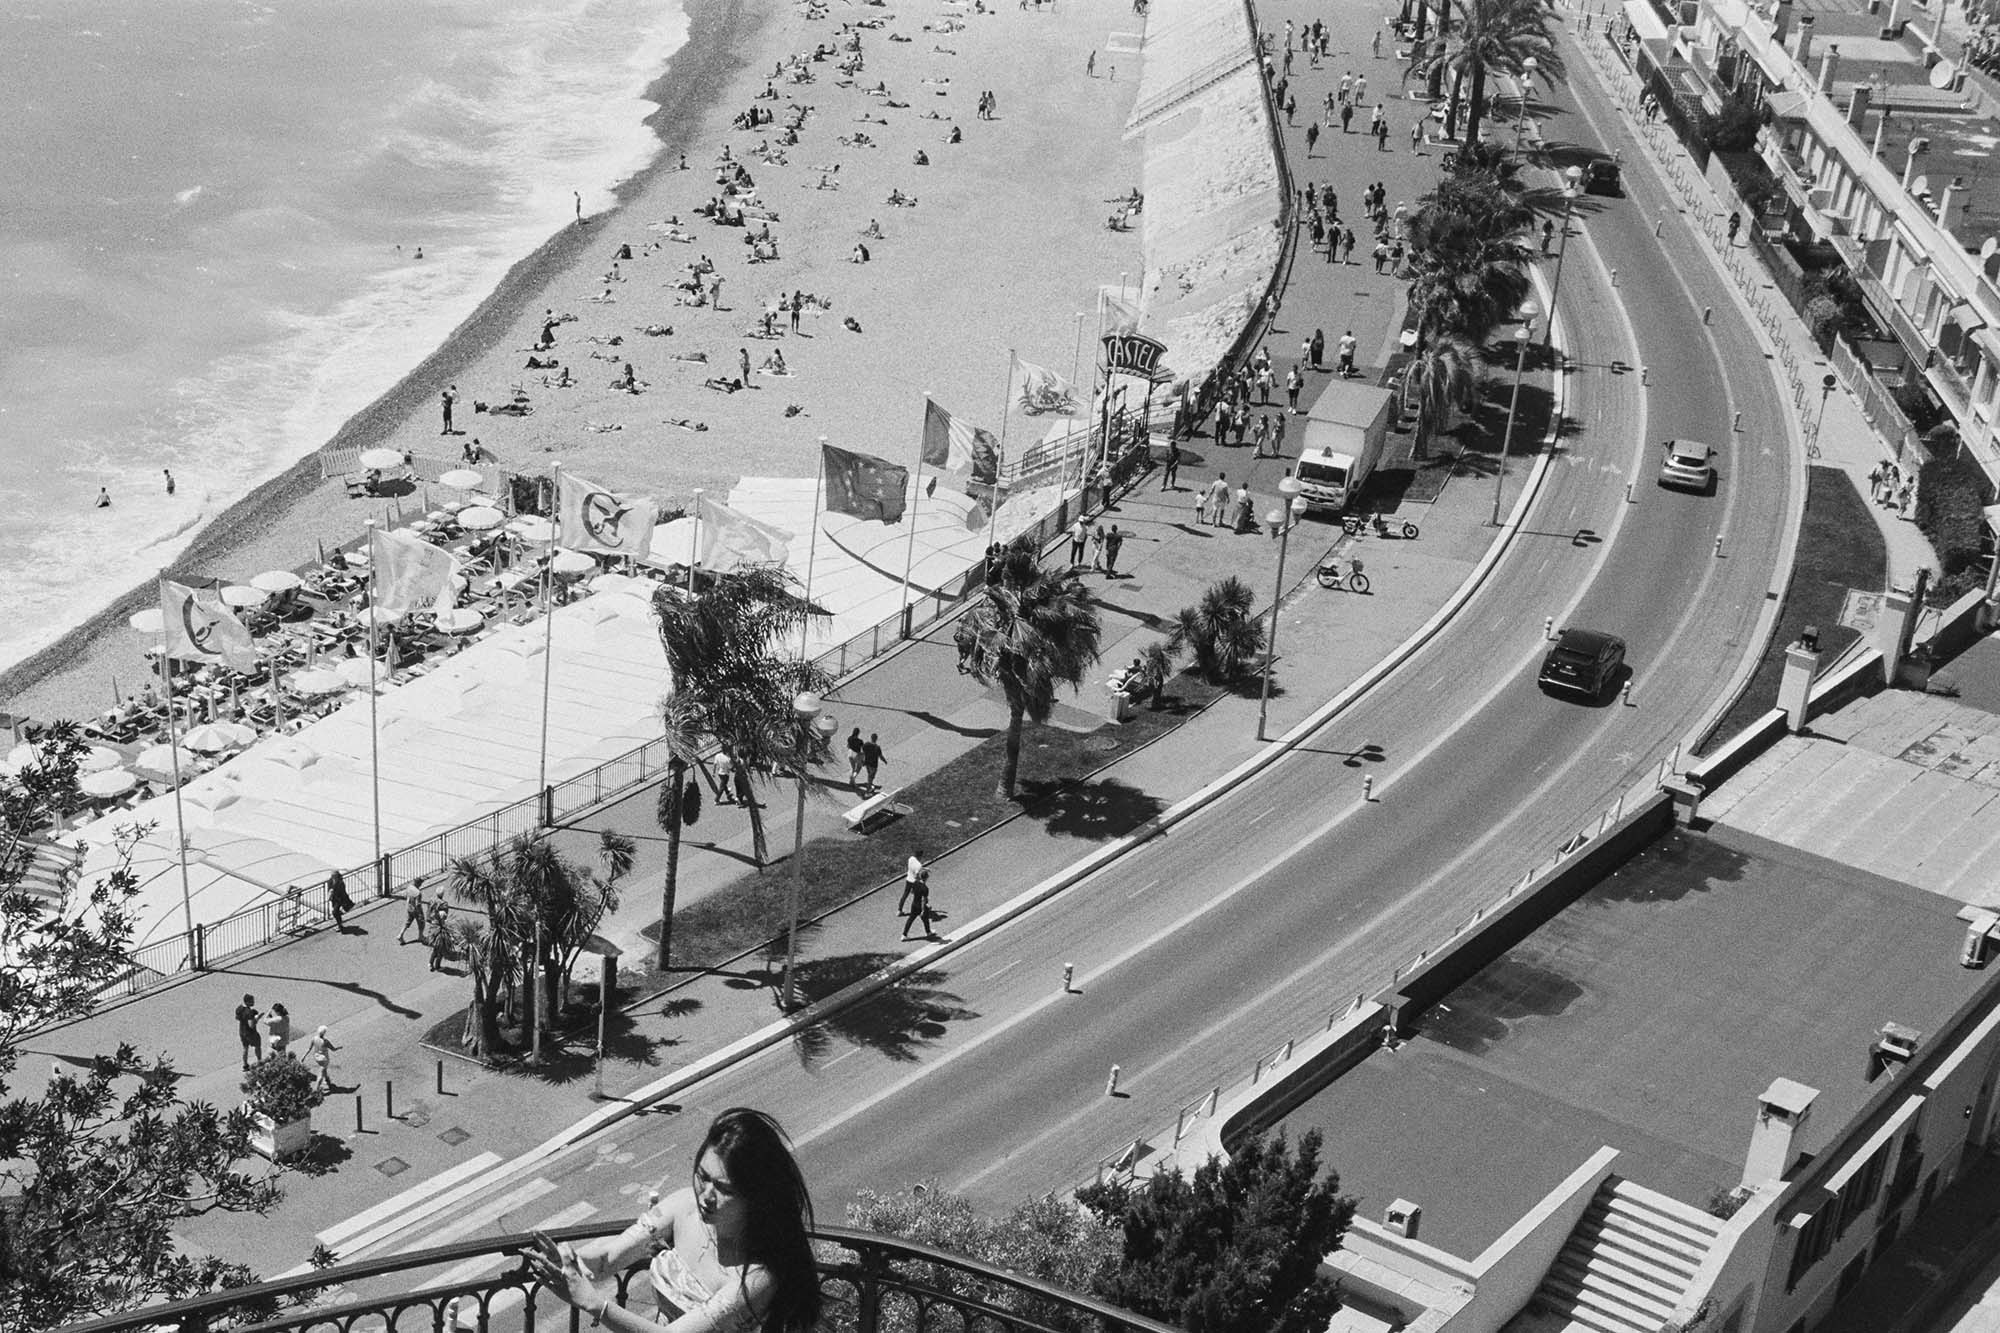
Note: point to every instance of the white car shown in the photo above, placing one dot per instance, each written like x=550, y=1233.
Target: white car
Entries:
x=1686, y=465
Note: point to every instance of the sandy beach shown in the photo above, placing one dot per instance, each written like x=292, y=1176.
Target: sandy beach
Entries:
x=1003, y=248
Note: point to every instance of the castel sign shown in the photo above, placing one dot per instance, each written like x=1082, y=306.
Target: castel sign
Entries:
x=1132, y=354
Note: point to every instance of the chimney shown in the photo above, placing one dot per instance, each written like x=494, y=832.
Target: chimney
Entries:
x=1952, y=208
x=1857, y=106
x=1774, y=1139
x=1801, y=43
x=1828, y=65
x=1781, y=23
x=1894, y=1046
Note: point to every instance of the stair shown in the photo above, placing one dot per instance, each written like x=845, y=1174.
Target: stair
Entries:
x=1626, y=1265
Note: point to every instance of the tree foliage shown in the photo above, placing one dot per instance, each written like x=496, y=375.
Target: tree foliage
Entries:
x=1443, y=376
x=98, y=1168
x=1234, y=1248
x=1498, y=37
x=1222, y=631
x=1029, y=630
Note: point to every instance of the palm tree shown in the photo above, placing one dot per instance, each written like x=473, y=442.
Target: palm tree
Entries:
x=1464, y=279
x=1500, y=36
x=724, y=646
x=1221, y=630
x=1444, y=374
x=1028, y=631
x=679, y=797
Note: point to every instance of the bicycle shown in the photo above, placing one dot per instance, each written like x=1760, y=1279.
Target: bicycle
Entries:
x=1330, y=575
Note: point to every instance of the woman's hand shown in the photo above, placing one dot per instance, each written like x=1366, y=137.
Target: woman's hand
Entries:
x=569, y=1276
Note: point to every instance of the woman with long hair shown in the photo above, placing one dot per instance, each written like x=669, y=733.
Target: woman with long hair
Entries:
x=730, y=1253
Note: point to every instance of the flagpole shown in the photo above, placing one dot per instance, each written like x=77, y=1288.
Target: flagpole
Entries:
x=174, y=752
x=999, y=463
x=694, y=554
x=374, y=731
x=812, y=549
x=548, y=647
x=916, y=498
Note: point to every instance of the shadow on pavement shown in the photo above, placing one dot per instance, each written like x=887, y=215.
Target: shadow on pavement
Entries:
x=1097, y=811
x=898, y=1022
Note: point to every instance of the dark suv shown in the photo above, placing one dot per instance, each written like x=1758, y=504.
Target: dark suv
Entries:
x=1584, y=662
x=1600, y=176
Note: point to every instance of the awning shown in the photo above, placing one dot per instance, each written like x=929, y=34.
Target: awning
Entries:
x=1644, y=21
x=1788, y=106
x=1966, y=316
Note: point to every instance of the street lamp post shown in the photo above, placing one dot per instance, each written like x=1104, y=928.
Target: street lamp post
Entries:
x=1825, y=391
x=1572, y=187
x=1290, y=513
x=1522, y=337
x=814, y=728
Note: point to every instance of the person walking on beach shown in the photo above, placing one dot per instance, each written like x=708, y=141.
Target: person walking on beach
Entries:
x=1090, y=65
x=337, y=901
x=872, y=760
x=743, y=360
x=446, y=398
x=248, y=1033
x=170, y=479
x=579, y=206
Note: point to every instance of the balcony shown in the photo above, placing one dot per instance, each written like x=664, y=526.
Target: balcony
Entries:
x=870, y=1283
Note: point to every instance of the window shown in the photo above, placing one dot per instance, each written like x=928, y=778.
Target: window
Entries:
x=1815, y=1239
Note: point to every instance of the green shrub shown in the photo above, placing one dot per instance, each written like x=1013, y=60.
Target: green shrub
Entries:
x=1951, y=491
x=283, y=1088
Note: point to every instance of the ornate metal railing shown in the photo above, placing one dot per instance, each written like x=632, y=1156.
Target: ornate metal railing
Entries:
x=871, y=1284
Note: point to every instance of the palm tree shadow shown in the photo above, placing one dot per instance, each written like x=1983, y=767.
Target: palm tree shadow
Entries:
x=1097, y=811
x=899, y=1021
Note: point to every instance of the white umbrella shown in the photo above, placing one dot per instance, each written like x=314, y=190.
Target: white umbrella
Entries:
x=354, y=671
x=148, y=621
x=528, y=527
x=290, y=752
x=98, y=758
x=380, y=459
x=459, y=620
x=277, y=580
x=574, y=562
x=209, y=795
x=463, y=479
x=480, y=518
x=213, y=736
x=109, y=782
x=243, y=594
x=160, y=758
x=314, y=681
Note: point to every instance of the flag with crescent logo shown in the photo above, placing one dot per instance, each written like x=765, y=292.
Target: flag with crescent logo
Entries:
x=731, y=540
x=863, y=485
x=200, y=627
x=409, y=574
x=591, y=518
x=953, y=444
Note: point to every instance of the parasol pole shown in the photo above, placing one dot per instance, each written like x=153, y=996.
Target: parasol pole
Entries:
x=548, y=650
x=694, y=553
x=812, y=549
x=174, y=753
x=374, y=732
x=1000, y=461
x=916, y=498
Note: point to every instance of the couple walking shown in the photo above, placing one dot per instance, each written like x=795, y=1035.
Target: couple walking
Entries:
x=864, y=759
x=915, y=904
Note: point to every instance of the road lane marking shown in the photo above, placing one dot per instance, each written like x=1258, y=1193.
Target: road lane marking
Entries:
x=1267, y=810
x=1001, y=973
x=334, y=1236
x=1144, y=888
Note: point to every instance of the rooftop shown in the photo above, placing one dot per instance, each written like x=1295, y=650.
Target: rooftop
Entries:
x=1647, y=1016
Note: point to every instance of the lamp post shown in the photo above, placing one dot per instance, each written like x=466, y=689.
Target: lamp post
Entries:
x=1522, y=337
x=814, y=730
x=1825, y=391
x=1572, y=187
x=1527, y=85
x=1291, y=513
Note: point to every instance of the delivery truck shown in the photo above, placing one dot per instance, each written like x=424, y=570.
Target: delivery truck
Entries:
x=1343, y=442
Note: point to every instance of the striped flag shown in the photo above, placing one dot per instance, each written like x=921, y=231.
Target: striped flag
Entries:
x=591, y=518
x=200, y=627
x=409, y=573
x=954, y=445
x=863, y=485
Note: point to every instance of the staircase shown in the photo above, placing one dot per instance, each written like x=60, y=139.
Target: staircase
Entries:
x=1625, y=1267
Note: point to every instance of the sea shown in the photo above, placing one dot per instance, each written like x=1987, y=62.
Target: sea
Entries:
x=228, y=225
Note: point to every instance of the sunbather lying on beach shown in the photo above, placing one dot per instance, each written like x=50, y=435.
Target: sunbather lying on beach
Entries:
x=722, y=383
x=602, y=427
x=686, y=423
x=658, y=330
x=852, y=324
x=613, y=341
x=602, y=298
x=898, y=199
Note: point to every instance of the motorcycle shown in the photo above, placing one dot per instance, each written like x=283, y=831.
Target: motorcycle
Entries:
x=1354, y=523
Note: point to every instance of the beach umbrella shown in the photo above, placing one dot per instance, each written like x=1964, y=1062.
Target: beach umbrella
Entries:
x=314, y=681
x=480, y=518
x=573, y=562
x=210, y=796
x=287, y=750
x=148, y=621
x=277, y=580
x=214, y=736
x=98, y=758
x=354, y=672
x=160, y=758
x=381, y=459
x=459, y=620
x=242, y=595
x=528, y=527
x=380, y=617
x=463, y=479
x=108, y=782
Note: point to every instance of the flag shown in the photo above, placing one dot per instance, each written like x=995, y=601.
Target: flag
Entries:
x=1120, y=314
x=731, y=540
x=863, y=485
x=954, y=445
x=1042, y=390
x=200, y=627
x=594, y=519
x=409, y=573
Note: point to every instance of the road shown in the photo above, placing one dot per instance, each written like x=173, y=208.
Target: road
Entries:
x=1248, y=923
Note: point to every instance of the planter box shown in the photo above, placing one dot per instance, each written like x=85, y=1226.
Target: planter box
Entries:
x=277, y=1141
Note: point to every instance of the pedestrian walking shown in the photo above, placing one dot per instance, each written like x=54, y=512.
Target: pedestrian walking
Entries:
x=1375, y=44
x=1216, y=500
x=278, y=1027
x=1241, y=519
x=440, y=919
x=1114, y=541
x=1079, y=540
x=1360, y=89
x=446, y=398
x=1090, y=65
x=1312, y=137
x=248, y=1032
x=1263, y=434
x=725, y=773
x=872, y=760
x=854, y=759
x=319, y=1055
x=1735, y=225
x=1097, y=548
x=1170, y=475
x=1346, y=354
x=440, y=950
x=1294, y=382
x=1381, y=134
x=1347, y=245
x=1224, y=411
x=170, y=479
x=1346, y=117
x=1318, y=349
x=1278, y=439
x=337, y=901
x=1264, y=385
x=917, y=904
x=413, y=915
x=1548, y=233
x=915, y=874
x=1906, y=495
x=1417, y=136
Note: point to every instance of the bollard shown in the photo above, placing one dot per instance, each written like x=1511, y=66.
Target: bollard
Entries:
x=1625, y=695
x=389, y=1099
x=440, y=1078
x=1645, y=374
x=1708, y=314
x=1737, y=425
x=360, y=1127
x=1111, y=1084
x=1548, y=627
x=1368, y=789
x=1628, y=492
x=1718, y=546
x=1069, y=975
x=1657, y=224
